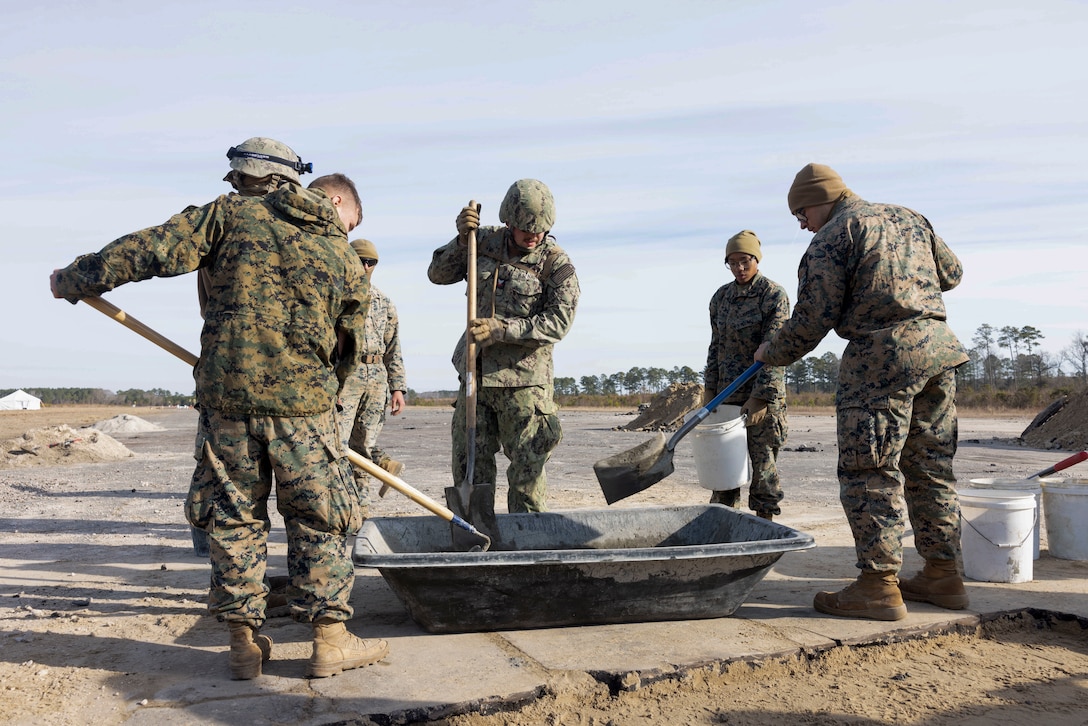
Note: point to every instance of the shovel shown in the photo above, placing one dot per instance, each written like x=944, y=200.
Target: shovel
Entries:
x=464, y=499
x=1063, y=464
x=473, y=540
x=648, y=463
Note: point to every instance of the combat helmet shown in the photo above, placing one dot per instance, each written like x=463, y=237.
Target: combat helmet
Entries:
x=528, y=206
x=260, y=156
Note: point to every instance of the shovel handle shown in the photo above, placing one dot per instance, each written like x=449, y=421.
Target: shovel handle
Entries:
x=407, y=490
x=357, y=459
x=135, y=325
x=1063, y=464
x=470, y=365
x=703, y=412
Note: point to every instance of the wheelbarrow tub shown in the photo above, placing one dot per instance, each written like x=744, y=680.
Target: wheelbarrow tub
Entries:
x=577, y=567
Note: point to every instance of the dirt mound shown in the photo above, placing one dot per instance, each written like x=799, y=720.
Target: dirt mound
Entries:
x=666, y=411
x=126, y=424
x=61, y=444
x=1061, y=425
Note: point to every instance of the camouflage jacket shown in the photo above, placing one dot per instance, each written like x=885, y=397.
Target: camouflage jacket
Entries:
x=742, y=317
x=874, y=273
x=381, y=339
x=284, y=283
x=535, y=295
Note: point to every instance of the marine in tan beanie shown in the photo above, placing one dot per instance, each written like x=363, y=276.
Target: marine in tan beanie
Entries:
x=745, y=242
x=814, y=186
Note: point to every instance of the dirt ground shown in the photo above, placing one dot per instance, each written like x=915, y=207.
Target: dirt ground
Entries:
x=122, y=592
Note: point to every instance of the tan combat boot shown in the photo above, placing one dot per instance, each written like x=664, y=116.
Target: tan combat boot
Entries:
x=874, y=595
x=247, y=651
x=939, y=583
x=391, y=465
x=336, y=650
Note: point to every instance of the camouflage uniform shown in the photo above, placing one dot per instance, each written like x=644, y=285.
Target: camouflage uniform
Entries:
x=366, y=394
x=535, y=294
x=266, y=384
x=742, y=317
x=875, y=273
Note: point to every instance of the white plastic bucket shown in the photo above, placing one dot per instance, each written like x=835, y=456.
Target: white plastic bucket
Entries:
x=996, y=529
x=1027, y=486
x=1065, y=505
x=720, y=445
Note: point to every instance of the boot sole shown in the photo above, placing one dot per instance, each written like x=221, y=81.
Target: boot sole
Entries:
x=897, y=612
x=948, y=602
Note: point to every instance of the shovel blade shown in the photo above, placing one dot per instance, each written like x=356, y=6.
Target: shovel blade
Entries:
x=634, y=470
x=476, y=539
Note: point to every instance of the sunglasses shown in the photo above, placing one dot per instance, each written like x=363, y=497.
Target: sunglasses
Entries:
x=367, y=262
x=800, y=216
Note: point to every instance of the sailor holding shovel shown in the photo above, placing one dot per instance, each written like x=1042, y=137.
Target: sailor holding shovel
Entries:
x=528, y=292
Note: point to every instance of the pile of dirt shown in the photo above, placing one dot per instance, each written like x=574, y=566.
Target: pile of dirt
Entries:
x=1061, y=425
x=666, y=411
x=126, y=424
x=61, y=444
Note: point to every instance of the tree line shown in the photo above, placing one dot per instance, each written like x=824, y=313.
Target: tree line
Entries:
x=1000, y=358
x=102, y=397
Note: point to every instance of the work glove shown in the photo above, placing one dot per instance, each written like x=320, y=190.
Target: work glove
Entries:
x=486, y=331
x=467, y=220
x=755, y=409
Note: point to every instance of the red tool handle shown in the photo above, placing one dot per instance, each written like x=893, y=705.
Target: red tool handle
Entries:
x=1063, y=464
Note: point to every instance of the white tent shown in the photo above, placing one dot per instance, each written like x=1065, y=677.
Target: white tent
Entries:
x=20, y=400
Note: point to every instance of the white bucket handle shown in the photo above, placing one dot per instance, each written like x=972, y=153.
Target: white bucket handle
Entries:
x=1031, y=532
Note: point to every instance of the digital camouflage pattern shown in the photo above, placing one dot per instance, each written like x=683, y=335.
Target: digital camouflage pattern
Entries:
x=524, y=421
x=366, y=395
x=528, y=206
x=263, y=350
x=535, y=295
x=875, y=274
x=284, y=284
x=742, y=317
x=237, y=457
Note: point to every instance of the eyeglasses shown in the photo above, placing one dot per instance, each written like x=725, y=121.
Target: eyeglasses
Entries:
x=367, y=262
x=742, y=262
x=799, y=214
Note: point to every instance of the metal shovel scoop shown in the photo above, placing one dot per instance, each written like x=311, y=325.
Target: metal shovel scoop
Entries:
x=639, y=468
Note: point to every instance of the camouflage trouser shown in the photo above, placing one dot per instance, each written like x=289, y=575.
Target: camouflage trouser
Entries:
x=901, y=447
x=364, y=400
x=764, y=441
x=524, y=423
x=315, y=493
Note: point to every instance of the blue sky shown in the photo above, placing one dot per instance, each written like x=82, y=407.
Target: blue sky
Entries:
x=661, y=129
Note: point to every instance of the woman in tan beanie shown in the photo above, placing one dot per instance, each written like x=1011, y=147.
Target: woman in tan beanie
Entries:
x=875, y=273
x=743, y=314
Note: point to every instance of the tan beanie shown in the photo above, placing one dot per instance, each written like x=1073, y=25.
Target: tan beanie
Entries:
x=815, y=184
x=744, y=241
x=365, y=248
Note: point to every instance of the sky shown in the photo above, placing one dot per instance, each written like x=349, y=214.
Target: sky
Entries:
x=662, y=130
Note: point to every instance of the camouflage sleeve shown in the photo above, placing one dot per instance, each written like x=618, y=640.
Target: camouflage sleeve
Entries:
x=949, y=269
x=449, y=264
x=711, y=372
x=821, y=292
x=552, y=323
x=352, y=318
x=770, y=384
x=394, y=361
x=170, y=249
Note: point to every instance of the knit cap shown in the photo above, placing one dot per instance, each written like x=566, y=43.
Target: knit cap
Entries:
x=815, y=184
x=746, y=242
x=365, y=249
